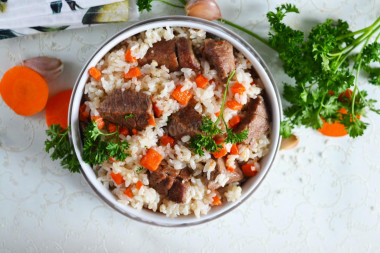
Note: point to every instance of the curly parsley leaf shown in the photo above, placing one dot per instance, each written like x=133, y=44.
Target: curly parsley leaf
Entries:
x=59, y=142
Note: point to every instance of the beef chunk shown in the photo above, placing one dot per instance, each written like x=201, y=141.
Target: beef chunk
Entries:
x=254, y=117
x=178, y=191
x=170, y=182
x=164, y=53
x=220, y=169
x=186, y=121
x=186, y=55
x=221, y=56
x=120, y=103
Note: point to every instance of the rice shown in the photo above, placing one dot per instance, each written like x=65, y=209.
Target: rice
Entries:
x=158, y=82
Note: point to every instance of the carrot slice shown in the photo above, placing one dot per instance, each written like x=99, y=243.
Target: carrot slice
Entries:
x=230, y=169
x=83, y=114
x=99, y=121
x=216, y=201
x=139, y=184
x=221, y=151
x=133, y=72
x=95, y=73
x=123, y=131
x=151, y=121
x=117, y=178
x=165, y=140
x=156, y=110
x=183, y=97
x=24, y=90
x=57, y=109
x=238, y=88
x=128, y=192
x=111, y=128
x=217, y=114
x=201, y=81
x=234, y=121
x=335, y=129
x=234, y=149
x=129, y=57
x=151, y=160
x=249, y=170
x=233, y=105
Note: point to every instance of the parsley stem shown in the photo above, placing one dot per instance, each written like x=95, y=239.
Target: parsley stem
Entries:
x=182, y=2
x=173, y=5
x=246, y=31
x=359, y=31
x=224, y=98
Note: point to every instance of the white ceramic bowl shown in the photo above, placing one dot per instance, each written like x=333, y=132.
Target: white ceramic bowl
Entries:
x=272, y=100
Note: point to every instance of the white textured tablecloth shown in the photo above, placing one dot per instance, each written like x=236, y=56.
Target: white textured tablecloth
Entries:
x=324, y=196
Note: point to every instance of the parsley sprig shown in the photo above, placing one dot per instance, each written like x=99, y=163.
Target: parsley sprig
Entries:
x=97, y=147
x=209, y=129
x=58, y=141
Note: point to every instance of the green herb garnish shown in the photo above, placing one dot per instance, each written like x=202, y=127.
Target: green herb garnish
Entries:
x=139, y=169
x=97, y=147
x=209, y=129
x=58, y=140
x=128, y=116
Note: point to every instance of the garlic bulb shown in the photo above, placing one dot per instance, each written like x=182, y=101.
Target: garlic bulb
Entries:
x=289, y=143
x=49, y=68
x=206, y=9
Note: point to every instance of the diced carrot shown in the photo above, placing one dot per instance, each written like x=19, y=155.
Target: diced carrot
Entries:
x=123, y=131
x=233, y=105
x=111, y=159
x=83, y=114
x=139, y=184
x=249, y=170
x=117, y=178
x=134, y=131
x=216, y=201
x=221, y=151
x=129, y=57
x=99, y=121
x=234, y=121
x=234, y=149
x=156, y=110
x=217, y=114
x=24, y=91
x=151, y=120
x=133, y=72
x=57, y=108
x=253, y=82
x=238, y=88
x=165, y=140
x=230, y=169
x=201, y=81
x=151, y=160
x=95, y=73
x=182, y=97
x=111, y=128
x=345, y=96
x=128, y=192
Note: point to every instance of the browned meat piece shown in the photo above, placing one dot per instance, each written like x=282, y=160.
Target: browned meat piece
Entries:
x=235, y=176
x=186, y=55
x=254, y=117
x=186, y=121
x=220, y=55
x=120, y=104
x=170, y=182
x=163, y=52
x=178, y=191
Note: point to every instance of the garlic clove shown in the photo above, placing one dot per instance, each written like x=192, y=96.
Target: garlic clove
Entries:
x=289, y=143
x=206, y=9
x=48, y=67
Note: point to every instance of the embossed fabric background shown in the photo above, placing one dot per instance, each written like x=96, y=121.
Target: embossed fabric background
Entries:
x=321, y=197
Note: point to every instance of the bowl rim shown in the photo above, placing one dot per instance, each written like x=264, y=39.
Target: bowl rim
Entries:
x=175, y=21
